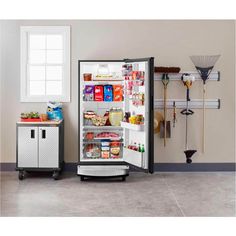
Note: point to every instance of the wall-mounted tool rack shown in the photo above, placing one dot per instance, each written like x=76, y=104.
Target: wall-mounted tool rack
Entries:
x=214, y=76
x=193, y=103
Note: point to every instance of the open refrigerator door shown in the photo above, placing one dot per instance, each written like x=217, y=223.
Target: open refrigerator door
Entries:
x=138, y=128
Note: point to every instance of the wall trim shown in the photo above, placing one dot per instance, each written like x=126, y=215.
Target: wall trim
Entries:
x=158, y=167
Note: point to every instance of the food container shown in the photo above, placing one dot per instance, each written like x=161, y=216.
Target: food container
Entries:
x=44, y=117
x=105, y=144
x=115, y=116
x=117, y=93
x=115, y=149
x=87, y=76
x=92, y=151
x=98, y=93
x=105, y=154
x=108, y=95
x=88, y=115
x=89, y=93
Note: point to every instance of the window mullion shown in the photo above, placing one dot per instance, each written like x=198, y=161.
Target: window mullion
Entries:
x=45, y=64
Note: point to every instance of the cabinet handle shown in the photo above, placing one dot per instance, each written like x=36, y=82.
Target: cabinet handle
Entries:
x=32, y=133
x=43, y=133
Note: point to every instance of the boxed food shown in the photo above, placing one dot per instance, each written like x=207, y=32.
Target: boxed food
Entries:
x=89, y=93
x=108, y=95
x=117, y=93
x=98, y=93
x=105, y=154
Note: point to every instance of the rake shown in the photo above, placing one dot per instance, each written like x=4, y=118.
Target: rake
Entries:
x=204, y=66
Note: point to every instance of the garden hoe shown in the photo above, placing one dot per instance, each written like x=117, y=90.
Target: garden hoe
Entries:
x=187, y=80
x=204, y=66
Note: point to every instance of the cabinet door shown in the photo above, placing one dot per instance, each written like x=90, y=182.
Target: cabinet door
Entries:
x=48, y=147
x=27, y=147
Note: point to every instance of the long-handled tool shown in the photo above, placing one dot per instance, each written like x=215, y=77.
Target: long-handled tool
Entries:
x=165, y=128
x=187, y=80
x=204, y=66
x=165, y=125
x=174, y=114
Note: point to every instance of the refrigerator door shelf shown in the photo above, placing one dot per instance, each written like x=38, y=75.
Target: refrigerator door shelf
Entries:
x=127, y=125
x=102, y=170
x=134, y=157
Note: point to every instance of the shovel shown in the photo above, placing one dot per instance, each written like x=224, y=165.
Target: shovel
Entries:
x=165, y=128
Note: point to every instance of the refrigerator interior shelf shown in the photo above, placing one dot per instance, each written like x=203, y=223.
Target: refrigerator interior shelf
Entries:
x=102, y=127
x=193, y=103
x=102, y=102
x=214, y=76
x=102, y=159
x=127, y=125
x=102, y=82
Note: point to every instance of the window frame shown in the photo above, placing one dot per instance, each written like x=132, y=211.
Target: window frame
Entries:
x=24, y=46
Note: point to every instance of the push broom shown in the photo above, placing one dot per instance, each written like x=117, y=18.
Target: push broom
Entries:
x=187, y=81
x=204, y=66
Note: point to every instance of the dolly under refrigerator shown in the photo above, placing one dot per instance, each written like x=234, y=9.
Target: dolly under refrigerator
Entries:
x=116, y=117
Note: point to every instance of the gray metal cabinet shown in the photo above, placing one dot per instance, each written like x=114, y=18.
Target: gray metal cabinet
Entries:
x=27, y=146
x=40, y=146
x=48, y=147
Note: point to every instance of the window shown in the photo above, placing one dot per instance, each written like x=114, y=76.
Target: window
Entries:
x=45, y=63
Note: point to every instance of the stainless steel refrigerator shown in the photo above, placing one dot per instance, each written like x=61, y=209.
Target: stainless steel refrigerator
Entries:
x=115, y=117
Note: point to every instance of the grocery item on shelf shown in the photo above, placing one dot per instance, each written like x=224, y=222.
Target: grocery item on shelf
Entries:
x=89, y=93
x=87, y=76
x=117, y=93
x=115, y=116
x=136, y=119
x=88, y=115
x=115, y=149
x=136, y=147
x=92, y=151
x=89, y=135
x=126, y=116
x=107, y=135
x=108, y=94
x=138, y=99
x=98, y=93
x=105, y=152
x=99, y=120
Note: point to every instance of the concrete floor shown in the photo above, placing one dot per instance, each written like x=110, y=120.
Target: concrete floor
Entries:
x=160, y=194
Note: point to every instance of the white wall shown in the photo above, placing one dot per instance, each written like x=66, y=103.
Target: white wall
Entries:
x=170, y=42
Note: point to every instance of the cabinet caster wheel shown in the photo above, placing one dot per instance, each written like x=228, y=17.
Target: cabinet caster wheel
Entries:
x=189, y=161
x=21, y=175
x=82, y=178
x=55, y=175
x=123, y=178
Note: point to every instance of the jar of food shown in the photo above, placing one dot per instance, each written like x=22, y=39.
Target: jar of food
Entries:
x=115, y=116
x=87, y=76
x=115, y=149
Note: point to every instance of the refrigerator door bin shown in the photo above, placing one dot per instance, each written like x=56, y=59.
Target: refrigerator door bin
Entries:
x=134, y=157
x=127, y=125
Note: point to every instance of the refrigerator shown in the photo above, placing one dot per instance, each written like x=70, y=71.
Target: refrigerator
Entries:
x=115, y=117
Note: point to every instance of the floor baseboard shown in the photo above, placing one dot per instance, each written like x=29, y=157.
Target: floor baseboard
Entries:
x=158, y=167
